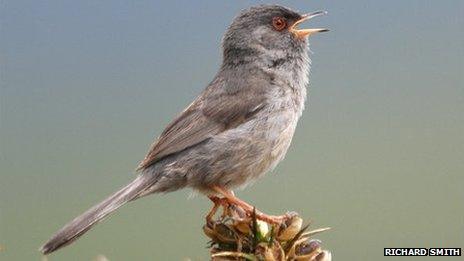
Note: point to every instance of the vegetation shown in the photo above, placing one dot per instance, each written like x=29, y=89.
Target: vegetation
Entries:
x=237, y=236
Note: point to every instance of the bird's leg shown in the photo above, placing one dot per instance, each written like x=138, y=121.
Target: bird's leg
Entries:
x=231, y=198
x=249, y=209
x=212, y=212
x=217, y=201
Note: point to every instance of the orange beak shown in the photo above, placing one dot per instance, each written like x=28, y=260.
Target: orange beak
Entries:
x=307, y=32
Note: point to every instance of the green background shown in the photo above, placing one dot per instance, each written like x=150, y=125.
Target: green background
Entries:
x=86, y=86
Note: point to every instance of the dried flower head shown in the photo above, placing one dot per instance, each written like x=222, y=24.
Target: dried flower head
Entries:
x=235, y=236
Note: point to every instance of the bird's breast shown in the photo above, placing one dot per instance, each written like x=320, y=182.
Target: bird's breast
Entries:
x=282, y=126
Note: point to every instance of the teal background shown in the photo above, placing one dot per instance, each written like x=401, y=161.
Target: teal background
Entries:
x=87, y=85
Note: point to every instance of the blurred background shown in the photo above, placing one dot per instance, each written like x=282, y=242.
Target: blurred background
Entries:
x=87, y=85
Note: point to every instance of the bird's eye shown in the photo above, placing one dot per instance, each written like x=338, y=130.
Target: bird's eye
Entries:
x=279, y=23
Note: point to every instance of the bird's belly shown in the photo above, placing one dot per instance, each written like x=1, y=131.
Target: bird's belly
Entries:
x=234, y=158
x=247, y=153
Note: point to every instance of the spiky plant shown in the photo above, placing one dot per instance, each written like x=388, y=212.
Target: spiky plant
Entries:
x=237, y=236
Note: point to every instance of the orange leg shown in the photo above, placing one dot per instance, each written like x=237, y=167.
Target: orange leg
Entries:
x=211, y=213
x=217, y=201
x=232, y=199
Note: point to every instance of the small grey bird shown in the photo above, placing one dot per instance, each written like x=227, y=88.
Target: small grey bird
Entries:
x=238, y=129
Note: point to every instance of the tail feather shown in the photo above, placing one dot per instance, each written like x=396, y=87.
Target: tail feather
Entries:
x=81, y=224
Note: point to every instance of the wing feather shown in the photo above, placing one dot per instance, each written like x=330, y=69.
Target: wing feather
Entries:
x=207, y=116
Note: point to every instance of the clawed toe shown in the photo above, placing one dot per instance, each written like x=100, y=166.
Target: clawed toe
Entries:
x=277, y=220
x=229, y=199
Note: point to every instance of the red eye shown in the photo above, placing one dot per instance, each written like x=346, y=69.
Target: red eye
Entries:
x=279, y=23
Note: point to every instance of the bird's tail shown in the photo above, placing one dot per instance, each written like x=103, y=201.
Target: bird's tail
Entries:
x=81, y=224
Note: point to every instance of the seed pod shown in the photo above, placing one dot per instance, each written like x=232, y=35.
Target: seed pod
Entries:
x=262, y=230
x=243, y=227
x=307, y=247
x=292, y=227
x=224, y=234
x=210, y=233
x=267, y=252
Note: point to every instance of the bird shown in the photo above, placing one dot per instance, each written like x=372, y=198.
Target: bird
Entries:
x=239, y=127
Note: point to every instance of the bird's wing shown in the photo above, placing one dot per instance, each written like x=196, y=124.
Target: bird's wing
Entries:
x=205, y=117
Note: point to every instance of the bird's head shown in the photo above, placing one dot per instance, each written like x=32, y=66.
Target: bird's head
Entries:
x=267, y=31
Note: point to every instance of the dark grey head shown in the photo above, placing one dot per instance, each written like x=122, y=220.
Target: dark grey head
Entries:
x=267, y=32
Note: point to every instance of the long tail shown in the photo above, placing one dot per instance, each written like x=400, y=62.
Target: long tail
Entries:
x=81, y=224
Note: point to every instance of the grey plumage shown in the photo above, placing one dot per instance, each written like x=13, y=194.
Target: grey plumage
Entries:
x=237, y=129
x=84, y=222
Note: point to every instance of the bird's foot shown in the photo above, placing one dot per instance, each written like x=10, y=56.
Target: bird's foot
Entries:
x=230, y=199
x=218, y=202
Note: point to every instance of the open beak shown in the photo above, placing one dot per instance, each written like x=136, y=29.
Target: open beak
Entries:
x=307, y=32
